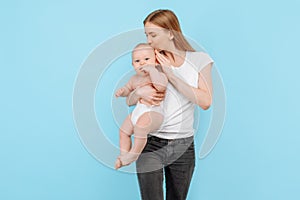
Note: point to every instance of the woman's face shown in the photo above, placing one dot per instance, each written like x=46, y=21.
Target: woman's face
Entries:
x=159, y=38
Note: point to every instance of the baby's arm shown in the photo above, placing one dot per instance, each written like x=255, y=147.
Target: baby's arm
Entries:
x=125, y=90
x=159, y=79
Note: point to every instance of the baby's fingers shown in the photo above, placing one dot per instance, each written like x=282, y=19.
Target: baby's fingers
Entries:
x=119, y=92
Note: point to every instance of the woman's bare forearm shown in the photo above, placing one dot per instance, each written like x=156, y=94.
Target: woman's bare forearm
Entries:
x=198, y=96
x=146, y=93
x=132, y=98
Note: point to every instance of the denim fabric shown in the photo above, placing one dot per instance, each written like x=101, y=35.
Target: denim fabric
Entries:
x=174, y=159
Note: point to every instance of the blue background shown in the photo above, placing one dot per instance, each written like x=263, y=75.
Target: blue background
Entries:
x=255, y=45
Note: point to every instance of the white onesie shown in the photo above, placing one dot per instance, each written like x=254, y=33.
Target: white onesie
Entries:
x=141, y=108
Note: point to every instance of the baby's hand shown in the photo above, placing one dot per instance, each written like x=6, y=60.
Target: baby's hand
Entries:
x=119, y=92
x=147, y=68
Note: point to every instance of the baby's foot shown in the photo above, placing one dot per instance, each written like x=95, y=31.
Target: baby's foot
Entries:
x=128, y=158
x=118, y=163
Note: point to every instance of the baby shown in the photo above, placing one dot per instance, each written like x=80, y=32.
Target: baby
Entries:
x=145, y=117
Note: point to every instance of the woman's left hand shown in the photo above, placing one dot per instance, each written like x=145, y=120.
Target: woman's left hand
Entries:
x=164, y=62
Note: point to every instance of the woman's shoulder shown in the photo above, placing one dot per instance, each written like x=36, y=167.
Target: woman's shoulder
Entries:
x=199, y=58
x=198, y=55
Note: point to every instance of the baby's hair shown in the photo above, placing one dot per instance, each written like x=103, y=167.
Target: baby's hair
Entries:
x=141, y=47
x=146, y=45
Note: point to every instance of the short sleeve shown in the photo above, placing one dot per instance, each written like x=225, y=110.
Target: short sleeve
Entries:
x=201, y=59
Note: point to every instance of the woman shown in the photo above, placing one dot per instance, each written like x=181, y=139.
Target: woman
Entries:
x=170, y=151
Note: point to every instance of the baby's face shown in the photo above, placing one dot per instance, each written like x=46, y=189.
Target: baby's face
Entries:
x=143, y=56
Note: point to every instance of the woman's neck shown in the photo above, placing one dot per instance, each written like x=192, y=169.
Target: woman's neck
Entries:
x=176, y=57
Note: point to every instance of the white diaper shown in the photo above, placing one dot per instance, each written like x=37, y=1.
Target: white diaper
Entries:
x=142, y=108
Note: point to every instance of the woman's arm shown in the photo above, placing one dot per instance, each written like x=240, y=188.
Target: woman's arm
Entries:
x=133, y=98
x=202, y=95
x=148, y=93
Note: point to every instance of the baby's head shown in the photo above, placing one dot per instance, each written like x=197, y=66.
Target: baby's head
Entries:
x=143, y=54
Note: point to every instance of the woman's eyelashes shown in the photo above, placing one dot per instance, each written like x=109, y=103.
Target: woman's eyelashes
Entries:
x=151, y=35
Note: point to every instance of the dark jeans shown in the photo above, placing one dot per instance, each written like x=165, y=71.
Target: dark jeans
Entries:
x=173, y=158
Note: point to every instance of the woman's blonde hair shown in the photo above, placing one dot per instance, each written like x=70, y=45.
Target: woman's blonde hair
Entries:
x=167, y=19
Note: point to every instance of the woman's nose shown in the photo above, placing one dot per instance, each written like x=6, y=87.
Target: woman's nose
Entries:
x=149, y=40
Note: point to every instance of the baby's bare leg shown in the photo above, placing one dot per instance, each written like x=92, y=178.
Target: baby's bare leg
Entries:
x=148, y=122
x=126, y=130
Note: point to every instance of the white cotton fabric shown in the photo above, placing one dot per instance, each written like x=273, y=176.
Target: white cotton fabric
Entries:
x=142, y=108
x=178, y=110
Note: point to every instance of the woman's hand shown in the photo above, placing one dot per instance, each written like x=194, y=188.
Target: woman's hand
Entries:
x=150, y=95
x=164, y=62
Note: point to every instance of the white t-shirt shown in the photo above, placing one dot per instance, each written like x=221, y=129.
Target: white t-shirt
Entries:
x=178, y=110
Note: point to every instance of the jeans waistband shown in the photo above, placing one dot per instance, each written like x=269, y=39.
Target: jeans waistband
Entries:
x=167, y=141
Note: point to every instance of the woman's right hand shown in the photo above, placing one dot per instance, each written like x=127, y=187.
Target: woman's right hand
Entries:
x=150, y=95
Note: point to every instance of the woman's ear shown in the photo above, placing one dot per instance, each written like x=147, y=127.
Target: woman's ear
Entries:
x=171, y=35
